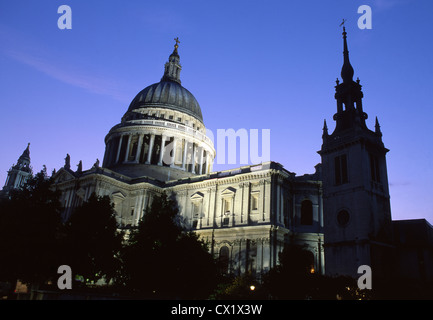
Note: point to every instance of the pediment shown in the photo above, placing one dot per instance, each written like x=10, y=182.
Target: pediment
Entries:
x=63, y=175
x=117, y=196
x=197, y=196
x=230, y=191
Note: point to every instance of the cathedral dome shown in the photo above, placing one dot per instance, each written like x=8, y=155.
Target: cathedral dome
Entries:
x=170, y=95
x=162, y=135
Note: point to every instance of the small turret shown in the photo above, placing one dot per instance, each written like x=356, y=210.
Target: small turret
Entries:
x=19, y=173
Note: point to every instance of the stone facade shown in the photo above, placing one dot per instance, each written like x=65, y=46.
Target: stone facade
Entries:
x=246, y=213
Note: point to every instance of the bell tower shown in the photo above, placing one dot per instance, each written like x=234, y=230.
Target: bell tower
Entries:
x=356, y=201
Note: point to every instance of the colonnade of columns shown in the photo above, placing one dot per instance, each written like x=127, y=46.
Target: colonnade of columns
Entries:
x=158, y=149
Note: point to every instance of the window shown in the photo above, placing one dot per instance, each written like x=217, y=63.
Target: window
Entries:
x=340, y=169
x=374, y=168
x=224, y=259
x=227, y=205
x=254, y=202
x=226, y=221
x=307, y=213
x=196, y=208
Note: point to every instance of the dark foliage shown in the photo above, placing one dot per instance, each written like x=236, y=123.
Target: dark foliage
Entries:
x=30, y=228
x=294, y=278
x=92, y=242
x=164, y=260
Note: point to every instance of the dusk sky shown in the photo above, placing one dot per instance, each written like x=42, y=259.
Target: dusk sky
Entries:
x=250, y=64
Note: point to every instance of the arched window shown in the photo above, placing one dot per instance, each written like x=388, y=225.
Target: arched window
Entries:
x=307, y=212
x=224, y=259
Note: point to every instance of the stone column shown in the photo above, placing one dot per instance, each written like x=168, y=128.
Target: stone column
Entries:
x=138, y=208
x=161, y=153
x=200, y=168
x=259, y=263
x=173, y=157
x=261, y=204
x=145, y=203
x=149, y=154
x=127, y=148
x=267, y=200
x=246, y=203
x=185, y=154
x=277, y=212
x=119, y=147
x=212, y=206
x=140, y=144
x=206, y=167
x=193, y=158
x=266, y=254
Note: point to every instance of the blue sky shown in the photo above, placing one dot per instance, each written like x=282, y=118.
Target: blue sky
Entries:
x=250, y=64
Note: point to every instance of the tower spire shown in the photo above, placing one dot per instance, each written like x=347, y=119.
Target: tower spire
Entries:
x=172, y=67
x=349, y=95
x=347, y=69
x=26, y=153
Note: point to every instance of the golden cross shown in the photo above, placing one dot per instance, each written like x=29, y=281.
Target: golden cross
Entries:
x=177, y=41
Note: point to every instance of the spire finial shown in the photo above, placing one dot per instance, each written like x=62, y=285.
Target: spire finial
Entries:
x=177, y=43
x=325, y=129
x=377, y=127
x=347, y=70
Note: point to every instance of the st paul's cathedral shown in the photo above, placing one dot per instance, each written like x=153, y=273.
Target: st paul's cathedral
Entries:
x=341, y=214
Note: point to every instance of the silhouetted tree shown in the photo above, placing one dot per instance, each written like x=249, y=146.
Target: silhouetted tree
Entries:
x=164, y=259
x=30, y=228
x=241, y=287
x=291, y=279
x=93, y=242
